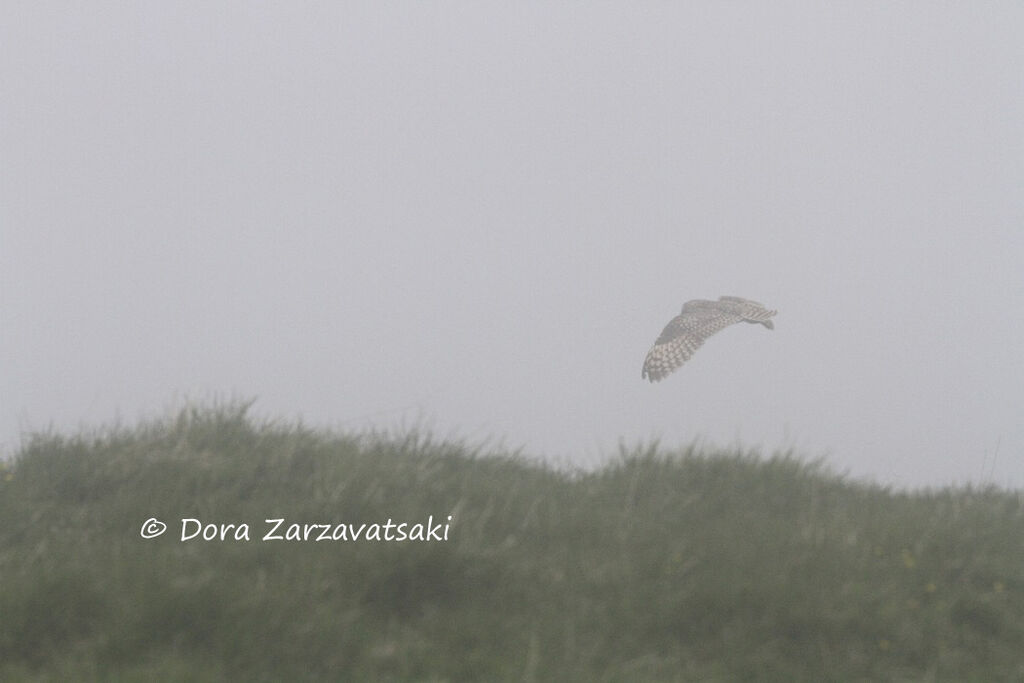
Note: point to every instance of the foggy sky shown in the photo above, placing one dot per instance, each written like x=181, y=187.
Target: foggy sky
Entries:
x=480, y=218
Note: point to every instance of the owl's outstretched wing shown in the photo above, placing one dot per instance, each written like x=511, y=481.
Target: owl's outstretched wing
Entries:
x=698, y=320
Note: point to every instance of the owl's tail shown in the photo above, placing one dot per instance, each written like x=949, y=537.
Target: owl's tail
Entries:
x=754, y=321
x=762, y=316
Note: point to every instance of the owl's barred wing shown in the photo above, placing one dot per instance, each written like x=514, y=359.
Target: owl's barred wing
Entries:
x=698, y=320
x=682, y=337
x=698, y=324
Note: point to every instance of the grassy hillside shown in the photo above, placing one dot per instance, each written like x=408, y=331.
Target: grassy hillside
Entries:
x=661, y=566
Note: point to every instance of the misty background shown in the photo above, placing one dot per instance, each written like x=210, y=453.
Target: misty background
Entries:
x=479, y=218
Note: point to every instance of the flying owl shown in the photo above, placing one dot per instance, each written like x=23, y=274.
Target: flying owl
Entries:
x=699, y=320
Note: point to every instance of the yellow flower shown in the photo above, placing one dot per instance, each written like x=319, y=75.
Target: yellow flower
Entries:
x=931, y=587
x=908, y=559
x=883, y=645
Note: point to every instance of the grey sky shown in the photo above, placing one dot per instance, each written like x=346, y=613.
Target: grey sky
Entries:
x=482, y=215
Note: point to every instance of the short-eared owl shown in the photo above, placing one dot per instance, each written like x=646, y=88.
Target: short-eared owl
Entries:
x=699, y=320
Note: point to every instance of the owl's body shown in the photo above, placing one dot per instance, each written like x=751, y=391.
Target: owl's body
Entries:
x=698, y=320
